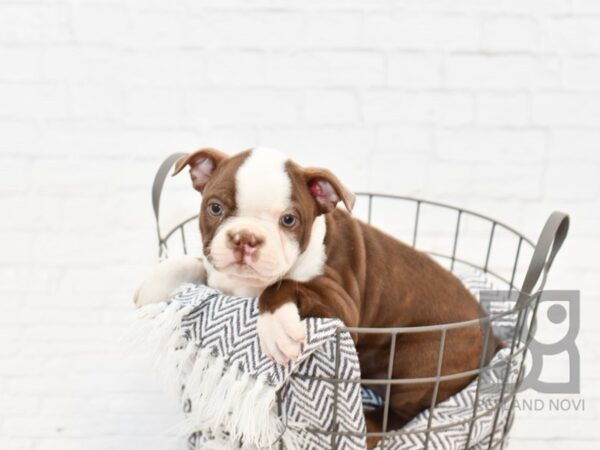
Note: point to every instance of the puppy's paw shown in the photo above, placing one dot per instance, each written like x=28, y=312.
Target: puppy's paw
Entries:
x=168, y=276
x=281, y=334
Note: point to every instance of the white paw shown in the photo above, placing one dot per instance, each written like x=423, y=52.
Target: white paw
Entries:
x=281, y=334
x=168, y=276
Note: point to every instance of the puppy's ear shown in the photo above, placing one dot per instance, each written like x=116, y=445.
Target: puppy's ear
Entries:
x=327, y=190
x=202, y=165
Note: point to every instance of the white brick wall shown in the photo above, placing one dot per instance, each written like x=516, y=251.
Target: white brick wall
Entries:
x=491, y=104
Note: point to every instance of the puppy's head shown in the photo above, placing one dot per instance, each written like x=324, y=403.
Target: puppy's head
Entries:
x=261, y=214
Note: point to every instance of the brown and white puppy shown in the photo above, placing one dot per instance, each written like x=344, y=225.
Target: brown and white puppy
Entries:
x=270, y=228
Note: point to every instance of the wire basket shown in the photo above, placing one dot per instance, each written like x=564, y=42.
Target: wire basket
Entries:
x=460, y=239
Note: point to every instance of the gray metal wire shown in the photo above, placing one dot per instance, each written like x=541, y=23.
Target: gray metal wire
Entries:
x=524, y=310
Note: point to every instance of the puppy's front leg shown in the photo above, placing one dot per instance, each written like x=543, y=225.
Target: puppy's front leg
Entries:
x=280, y=332
x=166, y=277
x=282, y=305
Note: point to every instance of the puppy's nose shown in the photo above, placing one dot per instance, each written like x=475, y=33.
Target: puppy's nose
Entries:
x=245, y=241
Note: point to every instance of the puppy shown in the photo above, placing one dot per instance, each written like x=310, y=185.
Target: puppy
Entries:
x=270, y=228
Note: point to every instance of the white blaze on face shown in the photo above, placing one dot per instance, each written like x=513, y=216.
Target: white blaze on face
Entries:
x=262, y=184
x=263, y=194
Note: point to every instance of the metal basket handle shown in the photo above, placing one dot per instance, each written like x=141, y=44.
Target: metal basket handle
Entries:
x=551, y=239
x=157, y=187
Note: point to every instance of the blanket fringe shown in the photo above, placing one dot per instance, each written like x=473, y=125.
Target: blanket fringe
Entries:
x=222, y=396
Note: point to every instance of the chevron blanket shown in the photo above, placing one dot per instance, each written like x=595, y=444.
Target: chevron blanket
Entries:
x=235, y=397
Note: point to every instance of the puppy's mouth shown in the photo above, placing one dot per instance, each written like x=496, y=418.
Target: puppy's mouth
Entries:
x=242, y=269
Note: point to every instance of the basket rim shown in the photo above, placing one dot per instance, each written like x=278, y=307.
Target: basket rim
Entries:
x=418, y=200
x=423, y=328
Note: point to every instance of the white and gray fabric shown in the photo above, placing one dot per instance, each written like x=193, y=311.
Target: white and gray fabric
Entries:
x=235, y=397
x=230, y=388
x=452, y=417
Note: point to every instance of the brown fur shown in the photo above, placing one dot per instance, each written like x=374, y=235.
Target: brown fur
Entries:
x=373, y=280
x=370, y=280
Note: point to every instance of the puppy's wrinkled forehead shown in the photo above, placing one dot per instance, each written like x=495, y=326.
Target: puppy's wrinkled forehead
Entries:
x=262, y=183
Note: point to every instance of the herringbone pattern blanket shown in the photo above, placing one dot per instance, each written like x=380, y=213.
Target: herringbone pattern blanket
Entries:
x=235, y=397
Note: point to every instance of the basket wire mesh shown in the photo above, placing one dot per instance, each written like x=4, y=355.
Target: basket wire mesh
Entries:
x=520, y=316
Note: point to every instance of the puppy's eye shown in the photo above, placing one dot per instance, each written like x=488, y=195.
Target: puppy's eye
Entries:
x=288, y=220
x=215, y=209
